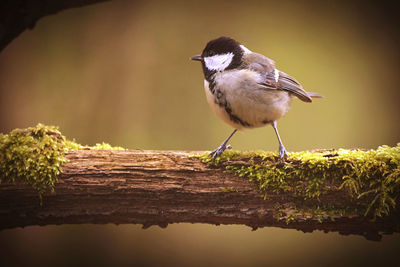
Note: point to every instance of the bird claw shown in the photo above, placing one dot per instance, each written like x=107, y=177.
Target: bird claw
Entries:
x=282, y=153
x=217, y=152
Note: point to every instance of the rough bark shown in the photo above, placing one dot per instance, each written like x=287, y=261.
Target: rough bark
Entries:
x=162, y=187
x=17, y=16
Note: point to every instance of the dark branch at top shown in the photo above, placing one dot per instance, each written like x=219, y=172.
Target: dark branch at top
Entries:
x=18, y=15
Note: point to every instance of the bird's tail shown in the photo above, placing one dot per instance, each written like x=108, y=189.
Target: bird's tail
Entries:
x=314, y=95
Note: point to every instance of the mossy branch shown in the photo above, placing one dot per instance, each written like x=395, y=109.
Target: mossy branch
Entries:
x=349, y=191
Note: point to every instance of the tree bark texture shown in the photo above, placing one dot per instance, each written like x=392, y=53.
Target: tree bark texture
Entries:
x=17, y=16
x=162, y=187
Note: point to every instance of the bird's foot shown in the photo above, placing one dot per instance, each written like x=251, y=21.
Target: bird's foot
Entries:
x=217, y=152
x=282, y=153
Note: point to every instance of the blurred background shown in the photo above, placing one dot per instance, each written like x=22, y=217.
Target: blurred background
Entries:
x=119, y=72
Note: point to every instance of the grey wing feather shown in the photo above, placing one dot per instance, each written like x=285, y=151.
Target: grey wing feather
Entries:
x=259, y=63
x=287, y=83
x=266, y=67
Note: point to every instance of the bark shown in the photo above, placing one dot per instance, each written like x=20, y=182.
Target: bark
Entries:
x=162, y=187
x=17, y=16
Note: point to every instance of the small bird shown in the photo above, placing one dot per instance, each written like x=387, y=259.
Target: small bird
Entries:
x=244, y=88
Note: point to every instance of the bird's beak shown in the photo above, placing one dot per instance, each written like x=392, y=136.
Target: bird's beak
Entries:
x=197, y=57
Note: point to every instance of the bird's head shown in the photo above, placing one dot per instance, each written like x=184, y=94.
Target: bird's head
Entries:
x=221, y=54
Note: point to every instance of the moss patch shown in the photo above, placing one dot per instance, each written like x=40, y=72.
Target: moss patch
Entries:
x=34, y=156
x=368, y=179
x=229, y=189
x=72, y=145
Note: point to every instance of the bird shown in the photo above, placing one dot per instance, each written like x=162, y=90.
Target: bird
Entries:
x=245, y=90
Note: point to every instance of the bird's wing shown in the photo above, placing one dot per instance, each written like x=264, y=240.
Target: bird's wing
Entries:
x=275, y=79
x=259, y=63
x=279, y=80
x=287, y=83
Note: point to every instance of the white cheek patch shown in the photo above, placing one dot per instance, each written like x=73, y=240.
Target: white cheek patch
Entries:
x=218, y=62
x=276, y=74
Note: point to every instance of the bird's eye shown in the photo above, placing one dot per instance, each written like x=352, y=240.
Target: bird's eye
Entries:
x=211, y=53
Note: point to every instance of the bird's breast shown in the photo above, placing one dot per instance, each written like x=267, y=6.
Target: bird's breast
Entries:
x=237, y=99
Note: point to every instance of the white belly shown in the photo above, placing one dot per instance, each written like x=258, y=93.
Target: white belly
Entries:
x=248, y=101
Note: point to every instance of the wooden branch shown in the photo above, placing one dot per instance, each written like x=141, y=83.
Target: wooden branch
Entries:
x=162, y=187
x=18, y=16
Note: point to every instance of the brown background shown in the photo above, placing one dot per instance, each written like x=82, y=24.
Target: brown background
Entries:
x=120, y=72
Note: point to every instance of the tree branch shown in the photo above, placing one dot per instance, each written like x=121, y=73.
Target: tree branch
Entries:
x=17, y=16
x=162, y=187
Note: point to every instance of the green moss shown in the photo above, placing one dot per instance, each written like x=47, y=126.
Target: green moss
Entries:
x=231, y=155
x=35, y=155
x=72, y=145
x=229, y=189
x=369, y=179
x=32, y=156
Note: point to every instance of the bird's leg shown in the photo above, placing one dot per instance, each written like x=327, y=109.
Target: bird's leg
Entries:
x=222, y=147
x=282, y=150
